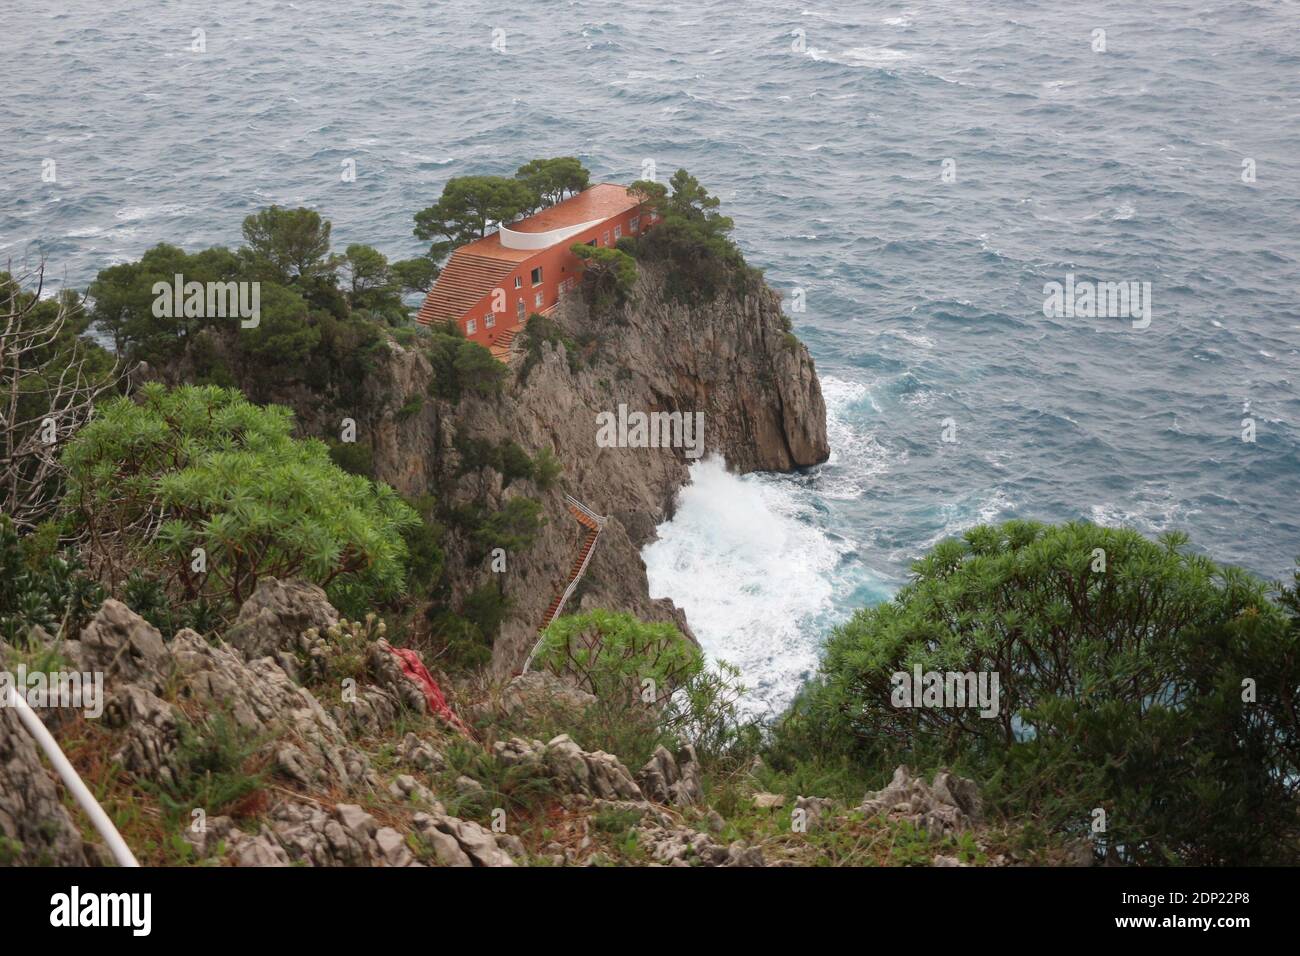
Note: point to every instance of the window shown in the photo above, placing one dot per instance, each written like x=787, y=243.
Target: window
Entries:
x=632, y=226
x=519, y=282
x=618, y=233
x=537, y=276
x=519, y=309
x=537, y=300
x=471, y=327
x=605, y=238
x=489, y=320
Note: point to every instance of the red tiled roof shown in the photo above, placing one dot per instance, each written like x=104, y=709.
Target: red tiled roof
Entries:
x=477, y=267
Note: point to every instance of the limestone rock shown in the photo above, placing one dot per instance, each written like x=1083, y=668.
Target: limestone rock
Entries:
x=35, y=829
x=951, y=805
x=574, y=770
x=473, y=845
x=672, y=779
x=406, y=788
x=420, y=754
x=537, y=694
x=151, y=732
x=682, y=846
x=815, y=809
x=124, y=646
x=311, y=749
x=276, y=614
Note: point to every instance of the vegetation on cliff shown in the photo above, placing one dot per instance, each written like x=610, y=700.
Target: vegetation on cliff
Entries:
x=206, y=493
x=1147, y=694
x=1137, y=678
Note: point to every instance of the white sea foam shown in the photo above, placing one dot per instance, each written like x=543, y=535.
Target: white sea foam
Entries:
x=868, y=56
x=747, y=560
x=857, y=456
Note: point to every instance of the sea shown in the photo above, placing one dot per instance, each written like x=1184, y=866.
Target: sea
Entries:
x=912, y=177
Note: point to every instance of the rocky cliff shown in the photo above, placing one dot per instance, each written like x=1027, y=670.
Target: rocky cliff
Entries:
x=732, y=360
x=252, y=749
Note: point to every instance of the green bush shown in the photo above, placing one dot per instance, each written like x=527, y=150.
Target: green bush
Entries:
x=425, y=557
x=651, y=687
x=1121, y=664
x=692, y=238
x=613, y=655
x=353, y=457
x=514, y=527
x=607, y=277
x=202, y=468
x=42, y=586
x=461, y=366
x=212, y=768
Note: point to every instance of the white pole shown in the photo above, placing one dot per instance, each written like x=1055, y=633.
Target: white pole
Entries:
x=116, y=845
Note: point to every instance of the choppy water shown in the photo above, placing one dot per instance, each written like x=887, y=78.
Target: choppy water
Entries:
x=924, y=298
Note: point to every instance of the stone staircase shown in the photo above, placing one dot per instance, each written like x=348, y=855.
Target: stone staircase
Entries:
x=464, y=280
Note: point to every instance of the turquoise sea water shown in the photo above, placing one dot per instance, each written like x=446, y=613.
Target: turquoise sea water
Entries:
x=824, y=128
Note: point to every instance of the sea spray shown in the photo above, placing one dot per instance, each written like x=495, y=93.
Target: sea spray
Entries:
x=747, y=560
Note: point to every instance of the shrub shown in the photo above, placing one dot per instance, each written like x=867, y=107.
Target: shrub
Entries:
x=608, y=275
x=514, y=527
x=212, y=768
x=41, y=586
x=1121, y=665
x=614, y=655
x=692, y=238
x=425, y=557
x=546, y=469
x=461, y=366
x=652, y=688
x=353, y=457
x=202, y=468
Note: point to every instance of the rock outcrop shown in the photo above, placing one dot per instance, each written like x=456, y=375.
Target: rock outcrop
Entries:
x=574, y=770
x=732, y=360
x=277, y=614
x=949, y=805
x=672, y=779
x=35, y=829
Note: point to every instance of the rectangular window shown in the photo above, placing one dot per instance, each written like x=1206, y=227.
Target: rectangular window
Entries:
x=471, y=327
x=519, y=282
x=537, y=300
x=636, y=221
x=519, y=309
x=489, y=320
x=537, y=276
x=605, y=239
x=618, y=233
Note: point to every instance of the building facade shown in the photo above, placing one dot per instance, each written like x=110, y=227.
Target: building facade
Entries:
x=490, y=286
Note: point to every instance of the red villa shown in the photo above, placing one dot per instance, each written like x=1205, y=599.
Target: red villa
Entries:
x=490, y=286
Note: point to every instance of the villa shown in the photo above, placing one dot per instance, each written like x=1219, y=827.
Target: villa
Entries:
x=490, y=286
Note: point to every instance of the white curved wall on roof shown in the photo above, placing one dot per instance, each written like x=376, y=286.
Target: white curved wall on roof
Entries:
x=542, y=240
